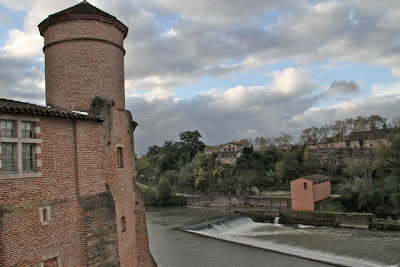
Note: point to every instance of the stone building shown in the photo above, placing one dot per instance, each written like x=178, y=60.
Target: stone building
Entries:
x=306, y=191
x=359, y=144
x=67, y=188
x=359, y=139
x=230, y=152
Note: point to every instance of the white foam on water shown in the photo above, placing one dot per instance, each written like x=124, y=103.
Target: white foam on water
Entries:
x=242, y=230
x=303, y=226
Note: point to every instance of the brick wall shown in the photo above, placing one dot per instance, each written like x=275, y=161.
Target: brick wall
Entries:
x=322, y=191
x=90, y=145
x=101, y=229
x=27, y=242
x=78, y=70
x=302, y=199
x=122, y=185
x=65, y=215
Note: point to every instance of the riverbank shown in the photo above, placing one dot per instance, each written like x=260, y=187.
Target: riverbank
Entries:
x=314, y=218
x=267, y=208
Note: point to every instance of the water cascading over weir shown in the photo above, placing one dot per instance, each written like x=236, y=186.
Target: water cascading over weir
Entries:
x=239, y=229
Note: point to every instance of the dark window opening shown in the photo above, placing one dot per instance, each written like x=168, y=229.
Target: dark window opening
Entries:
x=45, y=214
x=28, y=157
x=123, y=224
x=120, y=157
x=305, y=185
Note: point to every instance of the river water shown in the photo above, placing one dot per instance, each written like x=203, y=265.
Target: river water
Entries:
x=171, y=246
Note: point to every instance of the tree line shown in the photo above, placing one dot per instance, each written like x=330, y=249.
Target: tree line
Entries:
x=183, y=167
x=338, y=130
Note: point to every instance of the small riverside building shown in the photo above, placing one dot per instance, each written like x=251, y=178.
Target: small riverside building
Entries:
x=306, y=191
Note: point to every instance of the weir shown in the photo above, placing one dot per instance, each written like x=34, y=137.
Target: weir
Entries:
x=242, y=230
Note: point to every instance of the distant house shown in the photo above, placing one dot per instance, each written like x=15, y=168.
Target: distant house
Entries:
x=306, y=191
x=368, y=139
x=359, y=139
x=230, y=152
x=227, y=153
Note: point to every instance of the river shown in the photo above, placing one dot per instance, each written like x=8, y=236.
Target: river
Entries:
x=173, y=247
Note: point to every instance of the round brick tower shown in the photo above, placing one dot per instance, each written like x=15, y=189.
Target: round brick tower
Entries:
x=84, y=57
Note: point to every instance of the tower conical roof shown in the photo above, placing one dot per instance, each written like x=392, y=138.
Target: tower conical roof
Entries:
x=83, y=10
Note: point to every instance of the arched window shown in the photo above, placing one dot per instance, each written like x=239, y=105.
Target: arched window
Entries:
x=120, y=157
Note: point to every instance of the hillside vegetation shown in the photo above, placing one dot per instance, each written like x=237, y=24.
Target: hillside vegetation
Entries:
x=184, y=167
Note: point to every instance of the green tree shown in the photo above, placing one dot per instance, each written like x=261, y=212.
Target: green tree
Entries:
x=191, y=144
x=388, y=157
x=288, y=168
x=332, y=163
x=357, y=167
x=357, y=195
x=387, y=167
x=164, y=193
x=311, y=162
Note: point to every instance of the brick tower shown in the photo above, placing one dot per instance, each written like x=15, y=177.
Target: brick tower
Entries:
x=84, y=59
x=84, y=53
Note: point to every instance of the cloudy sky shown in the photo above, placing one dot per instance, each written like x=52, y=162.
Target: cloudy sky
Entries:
x=230, y=69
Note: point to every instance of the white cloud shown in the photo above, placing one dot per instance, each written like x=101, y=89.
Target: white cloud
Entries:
x=292, y=81
x=22, y=45
x=175, y=42
x=26, y=42
x=21, y=4
x=381, y=89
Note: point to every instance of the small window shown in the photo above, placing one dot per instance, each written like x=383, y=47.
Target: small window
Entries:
x=9, y=157
x=28, y=157
x=8, y=129
x=371, y=145
x=305, y=185
x=45, y=215
x=355, y=146
x=120, y=157
x=123, y=224
x=27, y=129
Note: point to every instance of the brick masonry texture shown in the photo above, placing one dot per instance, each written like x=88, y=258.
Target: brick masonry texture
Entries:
x=101, y=229
x=81, y=183
x=78, y=70
x=304, y=199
